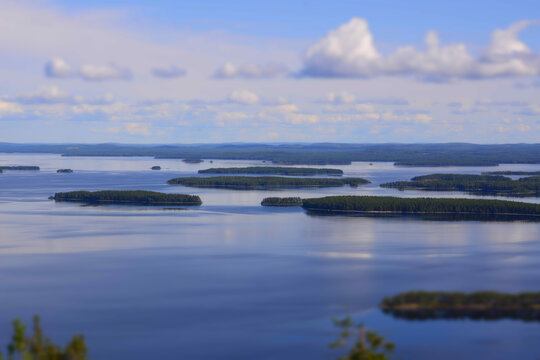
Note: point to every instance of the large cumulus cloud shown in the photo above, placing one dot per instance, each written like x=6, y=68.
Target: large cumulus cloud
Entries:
x=349, y=51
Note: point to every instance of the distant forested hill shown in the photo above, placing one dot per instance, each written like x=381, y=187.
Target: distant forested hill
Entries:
x=315, y=154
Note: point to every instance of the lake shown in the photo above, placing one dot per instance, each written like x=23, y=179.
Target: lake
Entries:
x=234, y=280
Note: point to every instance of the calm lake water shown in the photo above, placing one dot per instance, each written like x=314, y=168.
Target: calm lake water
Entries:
x=233, y=280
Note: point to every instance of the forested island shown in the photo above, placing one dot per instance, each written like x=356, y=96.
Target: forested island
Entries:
x=134, y=197
x=477, y=305
x=282, y=201
x=273, y=170
x=511, y=173
x=156, y=168
x=263, y=182
x=419, y=206
x=19, y=168
x=475, y=184
x=450, y=154
x=67, y=171
x=190, y=161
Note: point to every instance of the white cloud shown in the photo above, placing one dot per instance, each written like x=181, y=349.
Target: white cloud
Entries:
x=341, y=98
x=9, y=108
x=232, y=115
x=58, y=68
x=364, y=108
x=283, y=108
x=170, y=72
x=104, y=72
x=505, y=43
x=349, y=51
x=345, y=51
x=423, y=118
x=249, y=71
x=45, y=95
x=134, y=128
x=244, y=97
x=297, y=119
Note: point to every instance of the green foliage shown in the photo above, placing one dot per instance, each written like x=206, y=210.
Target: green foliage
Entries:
x=274, y=170
x=138, y=197
x=452, y=300
x=39, y=347
x=477, y=305
x=310, y=154
x=263, y=182
x=511, y=173
x=476, y=184
x=286, y=201
x=362, y=345
x=18, y=168
x=193, y=161
x=388, y=204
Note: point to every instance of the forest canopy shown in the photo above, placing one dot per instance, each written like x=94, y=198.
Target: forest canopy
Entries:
x=282, y=201
x=19, y=168
x=450, y=154
x=475, y=184
x=274, y=170
x=263, y=182
x=389, y=204
x=479, y=305
x=136, y=197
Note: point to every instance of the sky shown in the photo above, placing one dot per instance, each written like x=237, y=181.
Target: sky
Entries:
x=364, y=71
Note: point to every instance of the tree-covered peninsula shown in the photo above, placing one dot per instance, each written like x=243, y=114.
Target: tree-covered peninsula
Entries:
x=476, y=305
x=282, y=201
x=273, y=170
x=508, y=172
x=190, y=160
x=135, y=197
x=263, y=182
x=20, y=168
x=475, y=184
x=419, y=206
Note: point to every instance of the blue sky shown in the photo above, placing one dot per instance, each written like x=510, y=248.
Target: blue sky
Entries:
x=227, y=71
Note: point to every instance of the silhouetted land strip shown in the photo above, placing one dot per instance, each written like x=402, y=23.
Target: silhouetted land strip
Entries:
x=450, y=154
x=128, y=197
x=20, y=168
x=263, y=182
x=487, y=305
x=156, y=168
x=191, y=161
x=511, y=173
x=67, y=171
x=273, y=170
x=475, y=184
x=419, y=206
x=282, y=201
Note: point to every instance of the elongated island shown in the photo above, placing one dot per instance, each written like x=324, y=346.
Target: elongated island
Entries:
x=263, y=182
x=419, y=206
x=282, y=201
x=20, y=168
x=127, y=197
x=420, y=305
x=475, y=184
x=508, y=172
x=274, y=170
